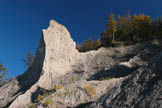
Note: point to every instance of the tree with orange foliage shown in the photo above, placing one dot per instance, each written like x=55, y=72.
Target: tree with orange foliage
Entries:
x=108, y=36
x=124, y=28
x=111, y=26
x=142, y=27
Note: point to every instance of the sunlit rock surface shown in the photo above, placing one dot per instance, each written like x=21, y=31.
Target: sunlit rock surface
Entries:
x=106, y=72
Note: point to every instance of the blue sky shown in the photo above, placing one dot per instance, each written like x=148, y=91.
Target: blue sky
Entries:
x=21, y=22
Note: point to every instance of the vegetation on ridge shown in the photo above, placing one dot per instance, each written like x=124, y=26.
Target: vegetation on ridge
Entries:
x=127, y=29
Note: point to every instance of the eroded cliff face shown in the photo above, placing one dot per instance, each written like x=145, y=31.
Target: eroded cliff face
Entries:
x=142, y=89
x=57, y=62
x=56, y=54
x=60, y=54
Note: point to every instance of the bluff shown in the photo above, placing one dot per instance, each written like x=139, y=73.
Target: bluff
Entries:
x=57, y=62
x=69, y=78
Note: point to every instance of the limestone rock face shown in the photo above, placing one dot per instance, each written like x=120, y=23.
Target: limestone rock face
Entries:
x=56, y=54
x=81, y=92
x=9, y=94
x=58, y=63
x=60, y=54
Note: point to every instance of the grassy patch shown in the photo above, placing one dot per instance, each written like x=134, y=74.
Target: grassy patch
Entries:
x=67, y=92
x=42, y=94
x=73, y=79
x=48, y=103
x=90, y=90
x=57, y=87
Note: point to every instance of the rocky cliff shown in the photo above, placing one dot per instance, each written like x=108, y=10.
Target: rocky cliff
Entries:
x=62, y=77
x=142, y=89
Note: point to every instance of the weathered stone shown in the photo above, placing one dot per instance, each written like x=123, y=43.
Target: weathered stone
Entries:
x=142, y=89
x=57, y=62
x=59, y=52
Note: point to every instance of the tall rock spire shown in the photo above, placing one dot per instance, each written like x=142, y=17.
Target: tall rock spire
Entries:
x=54, y=58
x=60, y=53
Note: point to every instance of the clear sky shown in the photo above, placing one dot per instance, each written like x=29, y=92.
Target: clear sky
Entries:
x=22, y=21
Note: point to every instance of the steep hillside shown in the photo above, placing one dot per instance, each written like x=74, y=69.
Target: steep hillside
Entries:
x=62, y=77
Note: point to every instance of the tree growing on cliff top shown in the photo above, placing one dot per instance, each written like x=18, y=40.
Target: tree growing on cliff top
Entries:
x=108, y=36
x=124, y=28
x=111, y=26
x=142, y=27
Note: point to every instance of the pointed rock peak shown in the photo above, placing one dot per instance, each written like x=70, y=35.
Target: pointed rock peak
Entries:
x=55, y=57
x=60, y=53
x=55, y=26
x=57, y=36
x=53, y=23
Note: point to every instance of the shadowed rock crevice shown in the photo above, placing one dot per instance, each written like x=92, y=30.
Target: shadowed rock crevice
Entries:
x=129, y=63
x=82, y=105
x=115, y=72
x=32, y=75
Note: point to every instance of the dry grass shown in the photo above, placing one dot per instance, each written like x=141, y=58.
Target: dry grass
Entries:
x=67, y=92
x=48, y=103
x=32, y=106
x=90, y=90
x=58, y=87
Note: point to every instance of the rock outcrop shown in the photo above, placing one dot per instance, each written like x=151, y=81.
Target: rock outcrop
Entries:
x=74, y=79
x=58, y=53
x=142, y=89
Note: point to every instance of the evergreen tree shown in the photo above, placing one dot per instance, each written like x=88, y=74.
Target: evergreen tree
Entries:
x=3, y=72
x=97, y=44
x=157, y=28
x=89, y=43
x=86, y=46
